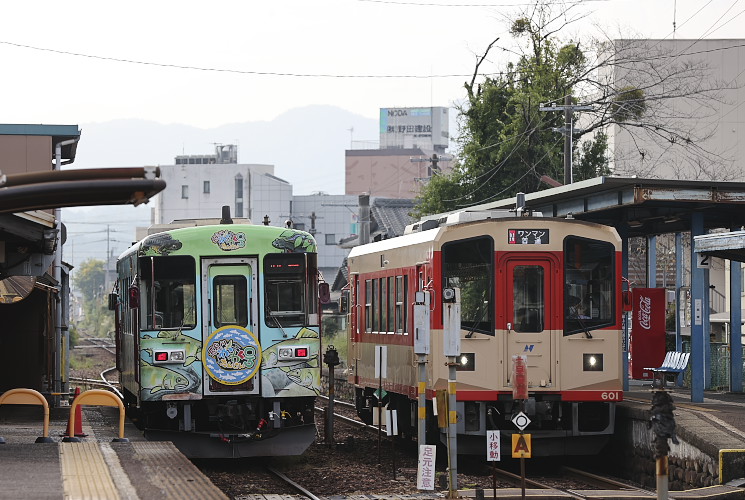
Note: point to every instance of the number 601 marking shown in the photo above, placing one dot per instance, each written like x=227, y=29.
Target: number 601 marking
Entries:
x=610, y=396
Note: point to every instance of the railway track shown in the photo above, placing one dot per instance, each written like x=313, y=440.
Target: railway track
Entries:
x=294, y=485
x=569, y=482
x=104, y=344
x=575, y=483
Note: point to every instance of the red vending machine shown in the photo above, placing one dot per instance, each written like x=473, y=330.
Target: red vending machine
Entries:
x=647, y=343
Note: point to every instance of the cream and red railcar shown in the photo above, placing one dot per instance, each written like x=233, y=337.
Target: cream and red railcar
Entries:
x=545, y=288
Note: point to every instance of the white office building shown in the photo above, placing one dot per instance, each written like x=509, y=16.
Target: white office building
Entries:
x=330, y=219
x=198, y=186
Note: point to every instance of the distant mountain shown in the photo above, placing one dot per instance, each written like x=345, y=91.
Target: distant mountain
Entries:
x=306, y=145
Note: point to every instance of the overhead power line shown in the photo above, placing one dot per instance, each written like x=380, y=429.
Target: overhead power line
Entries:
x=223, y=70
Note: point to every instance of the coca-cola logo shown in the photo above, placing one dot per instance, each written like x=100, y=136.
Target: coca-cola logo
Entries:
x=645, y=312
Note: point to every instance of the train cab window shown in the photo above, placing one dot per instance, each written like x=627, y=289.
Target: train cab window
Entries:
x=468, y=265
x=231, y=300
x=588, y=284
x=284, y=281
x=528, y=291
x=167, y=290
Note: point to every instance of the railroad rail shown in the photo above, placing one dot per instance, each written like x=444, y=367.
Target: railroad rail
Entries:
x=587, y=485
x=293, y=484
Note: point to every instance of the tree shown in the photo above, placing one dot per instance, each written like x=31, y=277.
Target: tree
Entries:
x=507, y=145
x=90, y=279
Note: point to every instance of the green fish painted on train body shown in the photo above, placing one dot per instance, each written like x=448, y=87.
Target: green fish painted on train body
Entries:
x=308, y=378
x=157, y=381
x=173, y=339
x=305, y=337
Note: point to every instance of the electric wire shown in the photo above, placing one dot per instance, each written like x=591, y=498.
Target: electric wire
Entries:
x=528, y=171
x=227, y=70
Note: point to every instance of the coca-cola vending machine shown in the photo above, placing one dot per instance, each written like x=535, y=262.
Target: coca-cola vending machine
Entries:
x=647, y=343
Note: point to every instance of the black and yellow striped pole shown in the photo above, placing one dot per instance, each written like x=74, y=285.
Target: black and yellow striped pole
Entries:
x=451, y=349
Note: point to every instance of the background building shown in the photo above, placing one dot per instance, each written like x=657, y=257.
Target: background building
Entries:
x=198, y=186
x=706, y=81
x=330, y=219
x=412, y=143
x=410, y=128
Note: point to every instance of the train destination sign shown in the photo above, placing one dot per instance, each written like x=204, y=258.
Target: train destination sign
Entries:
x=527, y=236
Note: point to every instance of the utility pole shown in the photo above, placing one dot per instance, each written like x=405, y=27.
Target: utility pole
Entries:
x=434, y=168
x=567, y=130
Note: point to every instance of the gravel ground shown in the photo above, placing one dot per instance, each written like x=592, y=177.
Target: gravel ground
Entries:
x=354, y=465
x=349, y=467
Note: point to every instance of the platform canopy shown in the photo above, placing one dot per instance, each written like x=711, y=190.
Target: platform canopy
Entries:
x=729, y=245
x=639, y=207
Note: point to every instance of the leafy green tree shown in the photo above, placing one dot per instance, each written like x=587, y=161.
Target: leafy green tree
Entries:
x=507, y=145
x=89, y=279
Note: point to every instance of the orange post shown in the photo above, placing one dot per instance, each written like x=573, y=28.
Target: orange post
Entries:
x=96, y=397
x=29, y=397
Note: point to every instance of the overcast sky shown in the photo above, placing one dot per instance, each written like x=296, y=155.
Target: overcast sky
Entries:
x=209, y=63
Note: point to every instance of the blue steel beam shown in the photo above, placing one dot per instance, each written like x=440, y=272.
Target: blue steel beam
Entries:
x=679, y=312
x=735, y=322
x=697, y=310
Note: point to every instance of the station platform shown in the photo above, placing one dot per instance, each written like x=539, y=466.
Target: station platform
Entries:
x=96, y=467
x=715, y=424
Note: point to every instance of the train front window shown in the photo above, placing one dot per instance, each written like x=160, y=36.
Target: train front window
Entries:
x=588, y=284
x=167, y=290
x=468, y=265
x=284, y=282
x=528, y=291
x=231, y=300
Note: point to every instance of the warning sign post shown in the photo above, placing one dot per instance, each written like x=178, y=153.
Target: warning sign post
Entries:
x=521, y=446
x=520, y=442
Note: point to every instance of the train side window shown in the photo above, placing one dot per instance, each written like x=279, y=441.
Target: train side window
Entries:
x=368, y=305
x=391, y=305
x=376, y=305
x=231, y=300
x=589, y=284
x=469, y=265
x=284, y=284
x=167, y=288
x=528, y=291
x=401, y=283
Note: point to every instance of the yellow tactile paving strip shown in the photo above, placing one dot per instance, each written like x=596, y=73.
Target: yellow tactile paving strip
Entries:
x=85, y=475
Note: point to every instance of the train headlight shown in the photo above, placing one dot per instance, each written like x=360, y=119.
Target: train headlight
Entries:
x=466, y=362
x=592, y=362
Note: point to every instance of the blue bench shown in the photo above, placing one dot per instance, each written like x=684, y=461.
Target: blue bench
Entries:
x=674, y=363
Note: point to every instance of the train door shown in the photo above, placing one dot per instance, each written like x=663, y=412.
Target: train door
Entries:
x=528, y=310
x=232, y=353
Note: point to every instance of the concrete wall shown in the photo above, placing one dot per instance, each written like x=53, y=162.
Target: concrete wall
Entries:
x=693, y=463
x=716, y=120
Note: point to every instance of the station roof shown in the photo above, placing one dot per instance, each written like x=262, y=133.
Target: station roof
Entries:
x=639, y=207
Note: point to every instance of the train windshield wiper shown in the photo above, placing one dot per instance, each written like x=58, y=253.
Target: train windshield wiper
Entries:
x=581, y=322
